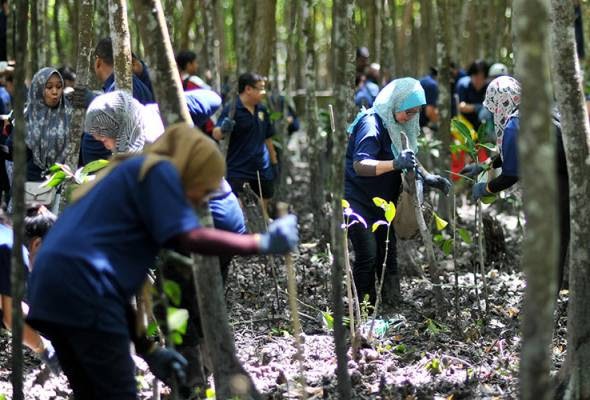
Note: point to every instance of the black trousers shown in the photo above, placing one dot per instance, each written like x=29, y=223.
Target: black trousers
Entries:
x=369, y=250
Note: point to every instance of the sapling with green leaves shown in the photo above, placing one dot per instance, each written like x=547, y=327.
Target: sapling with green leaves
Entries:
x=389, y=213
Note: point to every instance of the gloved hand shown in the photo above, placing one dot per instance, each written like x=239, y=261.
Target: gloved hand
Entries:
x=227, y=125
x=479, y=190
x=471, y=170
x=49, y=357
x=405, y=160
x=282, y=236
x=166, y=364
x=437, y=182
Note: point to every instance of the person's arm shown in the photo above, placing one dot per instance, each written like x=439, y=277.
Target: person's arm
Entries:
x=31, y=338
x=370, y=167
x=271, y=151
x=500, y=183
x=210, y=241
x=431, y=113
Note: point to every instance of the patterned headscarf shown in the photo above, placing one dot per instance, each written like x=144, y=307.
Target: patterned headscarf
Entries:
x=47, y=128
x=399, y=95
x=119, y=116
x=502, y=99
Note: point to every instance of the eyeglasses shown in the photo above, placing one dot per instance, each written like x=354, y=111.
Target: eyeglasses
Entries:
x=412, y=111
x=260, y=89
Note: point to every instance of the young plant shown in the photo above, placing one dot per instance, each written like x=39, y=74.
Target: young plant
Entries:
x=389, y=213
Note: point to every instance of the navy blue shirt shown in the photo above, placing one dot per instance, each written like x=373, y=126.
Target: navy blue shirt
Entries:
x=468, y=94
x=430, y=86
x=365, y=96
x=97, y=254
x=510, y=148
x=247, y=152
x=369, y=141
x=92, y=149
x=5, y=101
x=5, y=266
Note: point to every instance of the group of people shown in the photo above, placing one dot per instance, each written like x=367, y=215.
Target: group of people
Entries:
x=84, y=266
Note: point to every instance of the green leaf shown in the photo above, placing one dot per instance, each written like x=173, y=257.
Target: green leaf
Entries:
x=400, y=348
x=438, y=238
x=55, y=179
x=465, y=132
x=390, y=212
x=177, y=319
x=176, y=338
x=432, y=327
x=377, y=224
x=345, y=204
x=488, y=146
x=210, y=393
x=488, y=199
x=433, y=366
x=328, y=319
x=379, y=202
x=94, y=166
x=275, y=116
x=465, y=235
x=53, y=169
x=447, y=246
x=152, y=329
x=173, y=291
x=440, y=223
x=455, y=148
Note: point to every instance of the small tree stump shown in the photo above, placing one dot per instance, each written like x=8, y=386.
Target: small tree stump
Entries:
x=494, y=239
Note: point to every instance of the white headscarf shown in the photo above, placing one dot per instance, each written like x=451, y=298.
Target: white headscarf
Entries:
x=502, y=99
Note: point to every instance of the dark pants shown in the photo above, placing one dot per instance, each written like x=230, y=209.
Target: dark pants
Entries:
x=237, y=186
x=98, y=364
x=369, y=252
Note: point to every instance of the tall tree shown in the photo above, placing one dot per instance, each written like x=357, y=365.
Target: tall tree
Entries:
x=243, y=21
x=443, y=12
x=188, y=17
x=35, y=50
x=86, y=34
x=18, y=202
x=57, y=32
x=264, y=27
x=536, y=148
x=569, y=89
x=121, y=44
x=211, y=41
x=344, y=75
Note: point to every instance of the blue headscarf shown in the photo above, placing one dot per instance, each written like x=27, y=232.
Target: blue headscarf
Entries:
x=399, y=95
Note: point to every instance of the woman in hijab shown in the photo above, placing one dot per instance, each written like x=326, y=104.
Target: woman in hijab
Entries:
x=98, y=253
x=503, y=100
x=47, y=117
x=375, y=158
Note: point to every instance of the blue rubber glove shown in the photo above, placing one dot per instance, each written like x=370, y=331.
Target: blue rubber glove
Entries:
x=405, y=160
x=49, y=358
x=471, y=170
x=437, y=182
x=166, y=364
x=282, y=236
x=479, y=190
x=227, y=126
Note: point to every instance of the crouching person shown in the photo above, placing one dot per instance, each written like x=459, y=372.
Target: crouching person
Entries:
x=38, y=221
x=97, y=256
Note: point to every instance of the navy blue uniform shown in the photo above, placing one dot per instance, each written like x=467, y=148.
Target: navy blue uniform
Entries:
x=430, y=86
x=468, y=94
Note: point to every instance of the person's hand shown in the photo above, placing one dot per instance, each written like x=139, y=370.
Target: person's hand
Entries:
x=405, y=160
x=167, y=364
x=227, y=125
x=282, y=236
x=479, y=190
x=471, y=170
x=437, y=182
x=49, y=358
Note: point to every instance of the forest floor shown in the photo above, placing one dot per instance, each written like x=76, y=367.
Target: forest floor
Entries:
x=468, y=354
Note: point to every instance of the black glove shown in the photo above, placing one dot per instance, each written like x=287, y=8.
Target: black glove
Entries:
x=166, y=364
x=227, y=125
x=471, y=170
x=405, y=160
x=437, y=182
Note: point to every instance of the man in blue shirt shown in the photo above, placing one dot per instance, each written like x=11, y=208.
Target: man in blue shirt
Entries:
x=251, y=154
x=471, y=90
x=104, y=69
x=429, y=114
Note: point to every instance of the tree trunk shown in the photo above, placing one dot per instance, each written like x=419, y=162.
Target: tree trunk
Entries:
x=166, y=82
x=444, y=28
x=569, y=91
x=188, y=17
x=343, y=74
x=83, y=79
x=220, y=23
x=536, y=145
x=388, y=47
x=35, y=59
x=102, y=28
x=57, y=32
x=18, y=203
x=75, y=24
x=316, y=144
x=121, y=44
x=243, y=18
x=211, y=41
x=264, y=27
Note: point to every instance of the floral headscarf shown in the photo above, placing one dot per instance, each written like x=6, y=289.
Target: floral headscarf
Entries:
x=47, y=128
x=502, y=99
x=399, y=95
x=119, y=116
